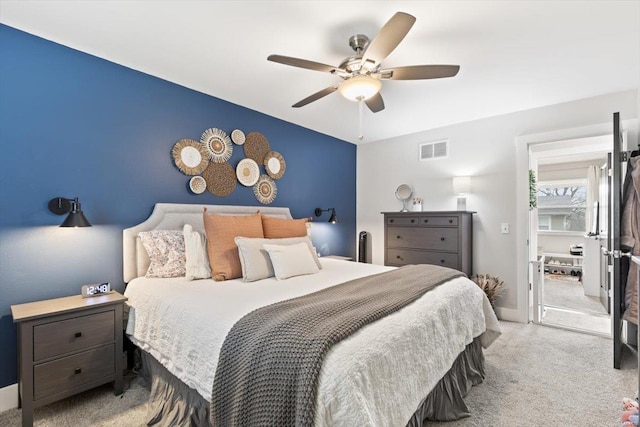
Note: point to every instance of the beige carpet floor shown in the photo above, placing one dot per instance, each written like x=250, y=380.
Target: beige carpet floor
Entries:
x=536, y=377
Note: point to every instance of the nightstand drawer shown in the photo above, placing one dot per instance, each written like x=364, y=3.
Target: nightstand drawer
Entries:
x=73, y=371
x=442, y=239
x=66, y=336
x=403, y=257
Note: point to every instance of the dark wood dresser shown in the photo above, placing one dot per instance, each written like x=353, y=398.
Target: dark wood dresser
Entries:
x=442, y=238
x=66, y=346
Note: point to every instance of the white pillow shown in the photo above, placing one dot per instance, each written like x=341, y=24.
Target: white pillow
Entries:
x=291, y=260
x=255, y=261
x=195, y=250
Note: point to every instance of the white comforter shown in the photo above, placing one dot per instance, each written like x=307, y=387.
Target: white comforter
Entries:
x=376, y=377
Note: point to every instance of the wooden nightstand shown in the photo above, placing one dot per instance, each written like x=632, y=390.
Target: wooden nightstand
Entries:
x=66, y=346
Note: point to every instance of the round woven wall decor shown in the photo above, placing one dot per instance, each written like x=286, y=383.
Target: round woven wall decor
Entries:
x=247, y=172
x=274, y=164
x=265, y=190
x=256, y=147
x=220, y=178
x=197, y=185
x=217, y=144
x=189, y=156
x=237, y=136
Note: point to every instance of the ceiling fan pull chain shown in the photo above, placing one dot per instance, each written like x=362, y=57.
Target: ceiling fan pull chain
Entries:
x=360, y=133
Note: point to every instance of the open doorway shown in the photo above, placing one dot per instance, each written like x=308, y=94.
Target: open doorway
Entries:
x=567, y=229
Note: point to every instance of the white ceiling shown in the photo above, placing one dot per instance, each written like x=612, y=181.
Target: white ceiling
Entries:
x=513, y=55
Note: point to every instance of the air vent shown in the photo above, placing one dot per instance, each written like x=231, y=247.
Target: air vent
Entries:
x=434, y=150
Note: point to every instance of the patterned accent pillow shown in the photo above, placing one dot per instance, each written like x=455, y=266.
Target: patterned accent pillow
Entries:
x=166, y=252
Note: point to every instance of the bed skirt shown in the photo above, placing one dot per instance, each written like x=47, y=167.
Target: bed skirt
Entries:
x=173, y=403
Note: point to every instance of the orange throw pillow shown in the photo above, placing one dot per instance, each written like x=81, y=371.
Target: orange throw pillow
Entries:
x=223, y=251
x=277, y=228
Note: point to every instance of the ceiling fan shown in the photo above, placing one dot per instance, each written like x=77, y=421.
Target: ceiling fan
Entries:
x=363, y=72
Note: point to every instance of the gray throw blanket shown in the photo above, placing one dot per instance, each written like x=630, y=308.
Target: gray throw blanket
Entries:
x=269, y=363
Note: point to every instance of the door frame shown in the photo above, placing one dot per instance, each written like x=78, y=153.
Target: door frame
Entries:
x=523, y=144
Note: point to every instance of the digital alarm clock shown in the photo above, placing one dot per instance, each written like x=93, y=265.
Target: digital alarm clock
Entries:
x=95, y=290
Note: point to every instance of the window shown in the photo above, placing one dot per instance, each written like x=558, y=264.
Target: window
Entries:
x=562, y=206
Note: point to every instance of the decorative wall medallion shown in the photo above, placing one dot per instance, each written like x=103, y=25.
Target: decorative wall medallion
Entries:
x=256, y=147
x=247, y=172
x=197, y=185
x=220, y=178
x=274, y=164
x=237, y=136
x=265, y=190
x=189, y=156
x=217, y=145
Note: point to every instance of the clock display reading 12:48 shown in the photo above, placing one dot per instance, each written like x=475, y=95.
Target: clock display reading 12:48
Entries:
x=95, y=290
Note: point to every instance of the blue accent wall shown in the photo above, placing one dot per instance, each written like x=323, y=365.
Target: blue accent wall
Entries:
x=74, y=125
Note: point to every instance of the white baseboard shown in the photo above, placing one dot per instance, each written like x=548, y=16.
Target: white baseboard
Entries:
x=8, y=397
x=508, y=314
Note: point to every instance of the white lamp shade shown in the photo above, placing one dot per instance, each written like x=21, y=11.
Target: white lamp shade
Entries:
x=360, y=87
x=461, y=184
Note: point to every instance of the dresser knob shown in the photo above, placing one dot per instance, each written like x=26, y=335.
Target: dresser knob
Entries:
x=398, y=237
x=78, y=334
x=77, y=371
x=399, y=257
x=442, y=261
x=442, y=239
x=426, y=220
x=412, y=221
x=390, y=220
x=450, y=221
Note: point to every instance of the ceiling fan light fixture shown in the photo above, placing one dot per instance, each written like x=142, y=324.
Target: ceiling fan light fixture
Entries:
x=360, y=87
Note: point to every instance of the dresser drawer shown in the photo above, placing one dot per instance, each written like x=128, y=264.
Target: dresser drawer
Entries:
x=439, y=220
x=66, y=336
x=440, y=239
x=399, y=220
x=405, y=256
x=73, y=371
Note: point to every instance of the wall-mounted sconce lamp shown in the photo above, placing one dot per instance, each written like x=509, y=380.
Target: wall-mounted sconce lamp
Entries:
x=62, y=205
x=332, y=219
x=462, y=186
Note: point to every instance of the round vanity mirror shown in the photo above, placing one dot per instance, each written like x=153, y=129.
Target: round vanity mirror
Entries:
x=404, y=192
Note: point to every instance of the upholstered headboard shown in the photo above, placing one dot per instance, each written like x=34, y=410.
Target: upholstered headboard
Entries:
x=173, y=216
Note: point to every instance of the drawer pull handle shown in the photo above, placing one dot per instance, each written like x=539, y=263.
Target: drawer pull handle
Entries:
x=450, y=221
x=77, y=371
x=78, y=334
x=399, y=257
x=412, y=221
x=426, y=220
x=398, y=237
x=442, y=239
x=390, y=220
x=442, y=261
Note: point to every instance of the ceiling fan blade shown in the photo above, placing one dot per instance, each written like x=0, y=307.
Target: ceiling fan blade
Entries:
x=302, y=63
x=375, y=103
x=420, y=72
x=316, y=96
x=389, y=37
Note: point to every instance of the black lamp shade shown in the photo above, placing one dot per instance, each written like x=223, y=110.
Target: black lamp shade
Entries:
x=75, y=219
x=333, y=218
x=62, y=205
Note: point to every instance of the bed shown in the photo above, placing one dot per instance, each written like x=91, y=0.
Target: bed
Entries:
x=414, y=364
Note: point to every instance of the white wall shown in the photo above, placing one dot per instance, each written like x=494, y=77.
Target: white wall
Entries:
x=486, y=150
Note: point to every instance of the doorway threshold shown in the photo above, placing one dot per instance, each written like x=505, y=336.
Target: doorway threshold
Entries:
x=563, y=318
